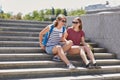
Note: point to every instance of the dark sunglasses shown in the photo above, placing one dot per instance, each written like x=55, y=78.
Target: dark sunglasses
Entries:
x=75, y=22
x=63, y=21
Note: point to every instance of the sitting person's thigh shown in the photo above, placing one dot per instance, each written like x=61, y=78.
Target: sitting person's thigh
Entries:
x=74, y=50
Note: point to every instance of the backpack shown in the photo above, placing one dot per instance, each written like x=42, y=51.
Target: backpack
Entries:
x=47, y=35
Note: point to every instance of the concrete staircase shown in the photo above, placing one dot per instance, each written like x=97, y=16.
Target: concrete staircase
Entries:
x=22, y=59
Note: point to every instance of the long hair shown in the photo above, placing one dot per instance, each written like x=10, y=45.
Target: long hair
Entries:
x=80, y=21
x=58, y=18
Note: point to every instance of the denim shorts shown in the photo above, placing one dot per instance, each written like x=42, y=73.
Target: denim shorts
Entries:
x=48, y=49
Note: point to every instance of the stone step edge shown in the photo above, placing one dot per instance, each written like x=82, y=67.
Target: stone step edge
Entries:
x=116, y=68
x=22, y=23
x=25, y=21
x=16, y=32
x=24, y=37
x=53, y=62
x=83, y=77
x=31, y=48
x=16, y=42
x=44, y=55
x=20, y=28
x=34, y=49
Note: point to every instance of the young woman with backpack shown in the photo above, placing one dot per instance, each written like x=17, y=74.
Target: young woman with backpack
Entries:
x=56, y=43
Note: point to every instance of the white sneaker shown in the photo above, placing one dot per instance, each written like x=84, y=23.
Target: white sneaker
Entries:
x=71, y=66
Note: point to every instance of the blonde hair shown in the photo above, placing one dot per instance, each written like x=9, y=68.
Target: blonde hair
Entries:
x=58, y=18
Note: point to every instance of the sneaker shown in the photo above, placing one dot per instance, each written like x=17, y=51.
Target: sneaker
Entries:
x=96, y=66
x=71, y=66
x=89, y=66
x=56, y=58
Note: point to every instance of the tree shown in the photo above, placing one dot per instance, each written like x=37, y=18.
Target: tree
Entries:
x=46, y=14
x=41, y=15
x=53, y=11
x=58, y=11
x=27, y=17
x=19, y=16
x=77, y=12
x=65, y=12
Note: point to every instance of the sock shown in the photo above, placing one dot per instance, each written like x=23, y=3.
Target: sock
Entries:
x=87, y=62
x=68, y=64
x=93, y=61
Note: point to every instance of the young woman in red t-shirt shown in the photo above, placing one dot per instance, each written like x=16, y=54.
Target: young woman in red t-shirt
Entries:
x=76, y=34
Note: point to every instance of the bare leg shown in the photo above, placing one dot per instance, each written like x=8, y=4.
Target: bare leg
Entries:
x=77, y=50
x=67, y=45
x=57, y=50
x=89, y=53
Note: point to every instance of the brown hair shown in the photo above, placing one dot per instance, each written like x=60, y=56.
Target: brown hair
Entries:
x=80, y=21
x=58, y=18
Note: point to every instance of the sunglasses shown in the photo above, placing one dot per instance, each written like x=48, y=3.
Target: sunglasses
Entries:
x=63, y=21
x=75, y=22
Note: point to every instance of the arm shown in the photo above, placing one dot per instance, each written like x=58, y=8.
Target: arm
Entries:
x=65, y=36
x=46, y=29
x=83, y=42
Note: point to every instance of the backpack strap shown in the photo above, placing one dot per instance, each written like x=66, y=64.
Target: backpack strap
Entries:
x=63, y=29
x=47, y=35
x=50, y=31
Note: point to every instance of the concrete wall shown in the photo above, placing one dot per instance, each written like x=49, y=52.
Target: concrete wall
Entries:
x=109, y=9
x=103, y=29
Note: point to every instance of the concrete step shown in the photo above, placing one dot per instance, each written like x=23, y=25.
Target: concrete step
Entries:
x=22, y=58
x=97, y=56
x=99, y=50
x=20, y=29
x=21, y=25
x=44, y=56
x=35, y=50
x=55, y=72
x=20, y=50
x=104, y=55
x=115, y=76
x=52, y=64
x=24, y=21
x=18, y=38
x=27, y=44
x=23, y=38
x=18, y=44
x=15, y=33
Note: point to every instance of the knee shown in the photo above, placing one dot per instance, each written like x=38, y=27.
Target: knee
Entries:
x=58, y=47
x=82, y=49
x=86, y=47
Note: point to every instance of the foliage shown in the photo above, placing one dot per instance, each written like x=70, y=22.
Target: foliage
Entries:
x=5, y=15
x=47, y=14
x=43, y=15
x=77, y=12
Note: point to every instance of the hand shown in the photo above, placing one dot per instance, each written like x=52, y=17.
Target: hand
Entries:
x=42, y=47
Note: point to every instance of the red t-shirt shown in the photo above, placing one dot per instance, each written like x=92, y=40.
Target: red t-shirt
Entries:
x=75, y=36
